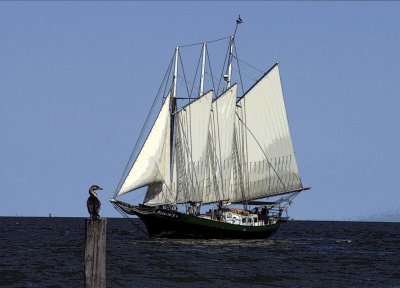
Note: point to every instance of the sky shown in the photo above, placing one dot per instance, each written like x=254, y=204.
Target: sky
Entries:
x=78, y=78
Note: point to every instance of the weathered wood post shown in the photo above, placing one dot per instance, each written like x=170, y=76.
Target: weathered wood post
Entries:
x=95, y=253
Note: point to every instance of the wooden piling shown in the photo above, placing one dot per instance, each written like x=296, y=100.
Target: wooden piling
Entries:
x=95, y=253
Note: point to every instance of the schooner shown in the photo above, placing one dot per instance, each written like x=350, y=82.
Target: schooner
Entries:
x=220, y=166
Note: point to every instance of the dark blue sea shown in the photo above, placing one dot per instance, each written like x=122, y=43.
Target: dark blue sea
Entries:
x=49, y=252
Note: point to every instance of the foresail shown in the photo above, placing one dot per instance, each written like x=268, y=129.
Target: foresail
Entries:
x=219, y=148
x=192, y=124
x=265, y=163
x=153, y=162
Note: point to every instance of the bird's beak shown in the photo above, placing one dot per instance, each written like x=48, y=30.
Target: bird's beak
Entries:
x=99, y=188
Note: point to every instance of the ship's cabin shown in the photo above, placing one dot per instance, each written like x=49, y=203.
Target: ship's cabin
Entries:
x=256, y=217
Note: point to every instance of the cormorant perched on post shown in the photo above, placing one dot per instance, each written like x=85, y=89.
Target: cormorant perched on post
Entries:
x=93, y=203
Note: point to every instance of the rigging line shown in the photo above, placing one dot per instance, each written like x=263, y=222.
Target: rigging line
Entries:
x=262, y=150
x=211, y=74
x=280, y=126
x=186, y=82
x=286, y=123
x=281, y=123
x=167, y=81
x=178, y=160
x=244, y=152
x=245, y=145
x=130, y=220
x=209, y=66
x=201, y=43
x=193, y=83
x=235, y=165
x=183, y=82
x=218, y=133
x=189, y=95
x=223, y=68
x=215, y=133
x=193, y=176
x=195, y=75
x=168, y=190
x=250, y=77
x=183, y=144
x=214, y=172
x=249, y=74
x=242, y=86
x=129, y=163
x=238, y=162
x=184, y=76
x=190, y=142
x=238, y=67
x=212, y=152
x=188, y=148
x=251, y=66
x=162, y=191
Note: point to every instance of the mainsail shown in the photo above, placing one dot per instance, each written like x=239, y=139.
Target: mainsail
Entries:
x=265, y=159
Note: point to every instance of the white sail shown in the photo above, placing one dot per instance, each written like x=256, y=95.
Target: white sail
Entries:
x=153, y=162
x=192, y=124
x=266, y=163
x=220, y=139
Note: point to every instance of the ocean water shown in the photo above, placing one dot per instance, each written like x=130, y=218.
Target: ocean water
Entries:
x=49, y=252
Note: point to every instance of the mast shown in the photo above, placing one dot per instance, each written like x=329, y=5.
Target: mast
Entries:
x=173, y=107
x=229, y=68
x=175, y=78
x=203, y=64
x=228, y=74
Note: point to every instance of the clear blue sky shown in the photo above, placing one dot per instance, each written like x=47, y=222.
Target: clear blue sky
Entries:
x=77, y=80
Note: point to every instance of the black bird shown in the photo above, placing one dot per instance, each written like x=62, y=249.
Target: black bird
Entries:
x=93, y=203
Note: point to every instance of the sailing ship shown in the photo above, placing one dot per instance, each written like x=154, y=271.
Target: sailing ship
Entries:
x=220, y=166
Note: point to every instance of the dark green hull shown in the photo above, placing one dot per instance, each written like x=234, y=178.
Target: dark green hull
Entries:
x=171, y=224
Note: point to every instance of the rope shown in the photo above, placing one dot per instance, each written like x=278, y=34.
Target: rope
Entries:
x=238, y=66
x=130, y=220
x=211, y=73
x=244, y=62
x=262, y=150
x=184, y=76
x=201, y=43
